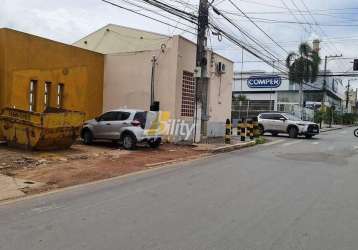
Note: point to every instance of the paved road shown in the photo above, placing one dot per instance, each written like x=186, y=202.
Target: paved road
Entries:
x=290, y=194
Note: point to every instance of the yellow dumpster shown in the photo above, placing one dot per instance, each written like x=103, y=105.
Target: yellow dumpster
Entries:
x=50, y=130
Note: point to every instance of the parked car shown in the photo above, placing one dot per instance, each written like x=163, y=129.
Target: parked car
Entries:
x=276, y=123
x=125, y=126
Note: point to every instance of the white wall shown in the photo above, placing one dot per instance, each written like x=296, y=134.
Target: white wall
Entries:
x=113, y=39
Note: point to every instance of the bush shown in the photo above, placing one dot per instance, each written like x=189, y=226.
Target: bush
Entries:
x=342, y=119
x=349, y=118
x=260, y=140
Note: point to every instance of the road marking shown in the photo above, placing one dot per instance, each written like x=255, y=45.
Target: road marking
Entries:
x=343, y=133
x=45, y=209
x=291, y=143
x=315, y=143
x=273, y=143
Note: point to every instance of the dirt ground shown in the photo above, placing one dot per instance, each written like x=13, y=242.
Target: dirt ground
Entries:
x=82, y=164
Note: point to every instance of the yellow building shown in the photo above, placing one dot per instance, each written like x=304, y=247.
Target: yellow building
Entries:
x=37, y=73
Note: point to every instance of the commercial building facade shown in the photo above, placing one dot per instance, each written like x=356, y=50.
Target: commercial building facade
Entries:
x=274, y=92
x=37, y=73
x=130, y=71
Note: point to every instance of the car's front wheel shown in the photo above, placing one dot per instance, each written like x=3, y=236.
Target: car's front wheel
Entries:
x=293, y=132
x=309, y=136
x=129, y=141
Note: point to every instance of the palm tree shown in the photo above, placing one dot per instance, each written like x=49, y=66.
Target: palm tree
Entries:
x=303, y=68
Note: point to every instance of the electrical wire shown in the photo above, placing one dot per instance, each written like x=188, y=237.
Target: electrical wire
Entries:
x=149, y=17
x=243, y=13
x=152, y=11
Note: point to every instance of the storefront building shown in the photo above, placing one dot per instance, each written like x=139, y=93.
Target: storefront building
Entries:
x=274, y=92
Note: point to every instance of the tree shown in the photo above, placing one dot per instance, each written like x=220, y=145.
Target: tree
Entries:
x=240, y=98
x=303, y=68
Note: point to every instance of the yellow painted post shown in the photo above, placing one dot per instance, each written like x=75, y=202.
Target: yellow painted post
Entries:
x=228, y=132
x=251, y=129
x=232, y=128
x=256, y=126
x=248, y=128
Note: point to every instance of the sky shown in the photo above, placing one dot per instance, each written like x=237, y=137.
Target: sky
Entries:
x=286, y=22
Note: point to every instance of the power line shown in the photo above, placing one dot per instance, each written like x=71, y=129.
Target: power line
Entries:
x=315, y=21
x=268, y=20
x=240, y=44
x=149, y=17
x=151, y=10
x=293, y=14
x=243, y=32
x=319, y=27
x=243, y=13
x=300, y=12
x=173, y=10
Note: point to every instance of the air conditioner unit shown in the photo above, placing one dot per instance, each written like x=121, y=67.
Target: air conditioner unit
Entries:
x=220, y=68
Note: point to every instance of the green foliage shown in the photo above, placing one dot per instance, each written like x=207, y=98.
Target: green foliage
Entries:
x=303, y=67
x=349, y=119
x=341, y=119
x=260, y=140
x=318, y=116
x=240, y=98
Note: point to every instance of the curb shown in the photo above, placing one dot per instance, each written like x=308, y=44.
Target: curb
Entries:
x=333, y=129
x=232, y=147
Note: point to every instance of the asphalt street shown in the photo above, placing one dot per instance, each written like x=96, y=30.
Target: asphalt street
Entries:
x=286, y=194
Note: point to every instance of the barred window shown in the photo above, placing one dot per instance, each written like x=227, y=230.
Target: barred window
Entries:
x=188, y=95
x=32, y=96
x=47, y=95
x=60, y=95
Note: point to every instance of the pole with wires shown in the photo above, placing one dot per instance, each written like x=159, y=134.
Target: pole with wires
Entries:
x=348, y=94
x=201, y=72
x=152, y=97
x=325, y=77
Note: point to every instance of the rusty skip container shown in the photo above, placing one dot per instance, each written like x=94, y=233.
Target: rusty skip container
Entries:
x=51, y=130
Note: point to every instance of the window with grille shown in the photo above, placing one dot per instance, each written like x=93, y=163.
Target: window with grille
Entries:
x=47, y=95
x=188, y=95
x=32, y=96
x=60, y=93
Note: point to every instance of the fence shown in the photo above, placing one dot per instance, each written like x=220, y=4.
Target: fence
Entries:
x=252, y=108
x=248, y=108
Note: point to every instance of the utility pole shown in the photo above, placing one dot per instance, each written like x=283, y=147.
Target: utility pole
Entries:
x=325, y=77
x=154, y=62
x=324, y=81
x=356, y=100
x=201, y=110
x=347, y=98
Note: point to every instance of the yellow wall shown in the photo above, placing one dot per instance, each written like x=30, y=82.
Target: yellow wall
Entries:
x=24, y=57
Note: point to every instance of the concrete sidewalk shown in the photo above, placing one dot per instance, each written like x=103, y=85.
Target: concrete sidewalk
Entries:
x=220, y=147
x=326, y=128
x=11, y=188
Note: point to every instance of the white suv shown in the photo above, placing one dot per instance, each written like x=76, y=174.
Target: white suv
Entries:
x=125, y=126
x=276, y=123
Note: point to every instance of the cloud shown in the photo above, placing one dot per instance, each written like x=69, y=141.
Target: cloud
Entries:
x=68, y=21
